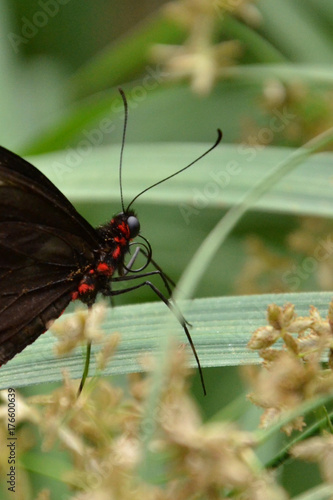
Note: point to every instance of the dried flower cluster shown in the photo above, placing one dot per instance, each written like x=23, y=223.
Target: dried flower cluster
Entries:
x=319, y=450
x=313, y=241
x=267, y=270
x=123, y=448
x=292, y=371
x=79, y=328
x=262, y=269
x=303, y=112
x=200, y=58
x=104, y=432
x=311, y=109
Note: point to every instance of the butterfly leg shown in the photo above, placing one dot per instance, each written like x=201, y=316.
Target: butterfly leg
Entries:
x=164, y=276
x=157, y=272
x=170, y=305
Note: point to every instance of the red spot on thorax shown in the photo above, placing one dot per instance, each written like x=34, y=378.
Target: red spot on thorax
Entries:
x=116, y=252
x=121, y=240
x=123, y=228
x=85, y=288
x=75, y=295
x=103, y=268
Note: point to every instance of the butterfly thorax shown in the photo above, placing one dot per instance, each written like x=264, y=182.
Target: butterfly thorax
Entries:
x=115, y=237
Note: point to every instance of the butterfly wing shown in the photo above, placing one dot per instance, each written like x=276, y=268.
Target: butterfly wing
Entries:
x=45, y=246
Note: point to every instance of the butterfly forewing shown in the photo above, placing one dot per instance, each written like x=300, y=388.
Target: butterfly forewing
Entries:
x=21, y=183
x=45, y=247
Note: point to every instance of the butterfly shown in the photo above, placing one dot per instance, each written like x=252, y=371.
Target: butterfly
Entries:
x=50, y=255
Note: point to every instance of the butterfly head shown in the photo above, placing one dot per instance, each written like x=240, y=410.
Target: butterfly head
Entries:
x=133, y=225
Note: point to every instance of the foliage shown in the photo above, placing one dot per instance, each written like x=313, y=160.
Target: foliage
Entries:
x=261, y=71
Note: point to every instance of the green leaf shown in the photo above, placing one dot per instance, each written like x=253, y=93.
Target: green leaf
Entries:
x=208, y=249
x=260, y=48
x=219, y=181
x=283, y=19
x=322, y=492
x=222, y=326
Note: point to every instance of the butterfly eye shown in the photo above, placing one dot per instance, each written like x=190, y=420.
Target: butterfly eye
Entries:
x=134, y=226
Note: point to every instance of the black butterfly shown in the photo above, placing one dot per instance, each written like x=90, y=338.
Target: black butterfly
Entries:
x=50, y=255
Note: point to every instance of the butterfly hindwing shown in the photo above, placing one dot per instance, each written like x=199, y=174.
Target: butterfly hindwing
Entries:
x=48, y=304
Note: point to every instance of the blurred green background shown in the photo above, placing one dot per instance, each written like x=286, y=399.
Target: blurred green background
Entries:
x=60, y=65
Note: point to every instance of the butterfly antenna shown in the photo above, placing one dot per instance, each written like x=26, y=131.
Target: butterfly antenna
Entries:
x=218, y=140
x=122, y=93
